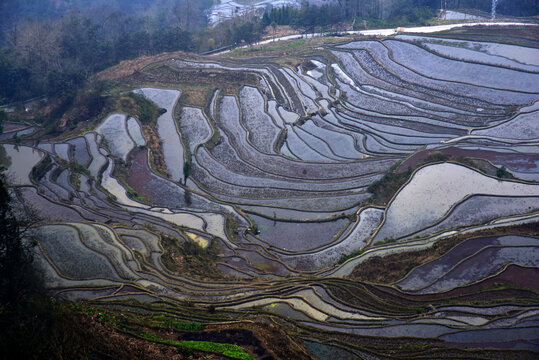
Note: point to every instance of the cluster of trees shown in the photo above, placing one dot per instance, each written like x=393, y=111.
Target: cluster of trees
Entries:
x=387, y=9
x=307, y=16
x=360, y=12
x=18, y=278
x=511, y=8
x=189, y=14
x=33, y=325
x=54, y=57
x=236, y=32
x=414, y=11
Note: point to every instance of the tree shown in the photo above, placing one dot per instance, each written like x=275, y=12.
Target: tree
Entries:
x=265, y=19
x=502, y=172
x=3, y=118
x=186, y=171
x=273, y=25
x=211, y=43
x=18, y=278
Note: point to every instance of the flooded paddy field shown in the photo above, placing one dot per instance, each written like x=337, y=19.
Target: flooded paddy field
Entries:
x=273, y=190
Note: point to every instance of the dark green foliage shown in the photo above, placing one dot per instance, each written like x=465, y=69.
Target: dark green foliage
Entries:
x=169, y=322
x=189, y=13
x=186, y=170
x=512, y=8
x=73, y=167
x=374, y=12
x=502, y=172
x=414, y=11
x=133, y=194
x=185, y=351
x=247, y=32
x=389, y=240
x=172, y=39
x=3, y=118
x=44, y=329
x=345, y=257
x=193, y=249
x=63, y=83
x=18, y=279
x=59, y=108
x=188, y=197
x=82, y=48
x=382, y=190
x=400, y=14
x=307, y=16
x=123, y=321
x=78, y=168
x=193, y=259
x=48, y=329
x=145, y=109
x=42, y=168
x=436, y=156
x=253, y=229
x=78, y=44
x=14, y=71
x=88, y=103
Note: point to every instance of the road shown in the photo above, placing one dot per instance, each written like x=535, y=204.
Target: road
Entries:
x=382, y=32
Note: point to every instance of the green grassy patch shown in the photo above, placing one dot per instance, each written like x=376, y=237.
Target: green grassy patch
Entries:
x=133, y=194
x=74, y=178
x=416, y=346
x=232, y=227
x=231, y=350
x=125, y=321
x=276, y=46
x=168, y=322
x=389, y=240
x=296, y=43
x=130, y=322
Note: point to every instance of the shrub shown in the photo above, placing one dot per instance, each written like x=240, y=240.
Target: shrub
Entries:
x=502, y=172
x=345, y=257
x=146, y=110
x=42, y=168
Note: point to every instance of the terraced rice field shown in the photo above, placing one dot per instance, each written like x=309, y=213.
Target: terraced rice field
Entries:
x=272, y=181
